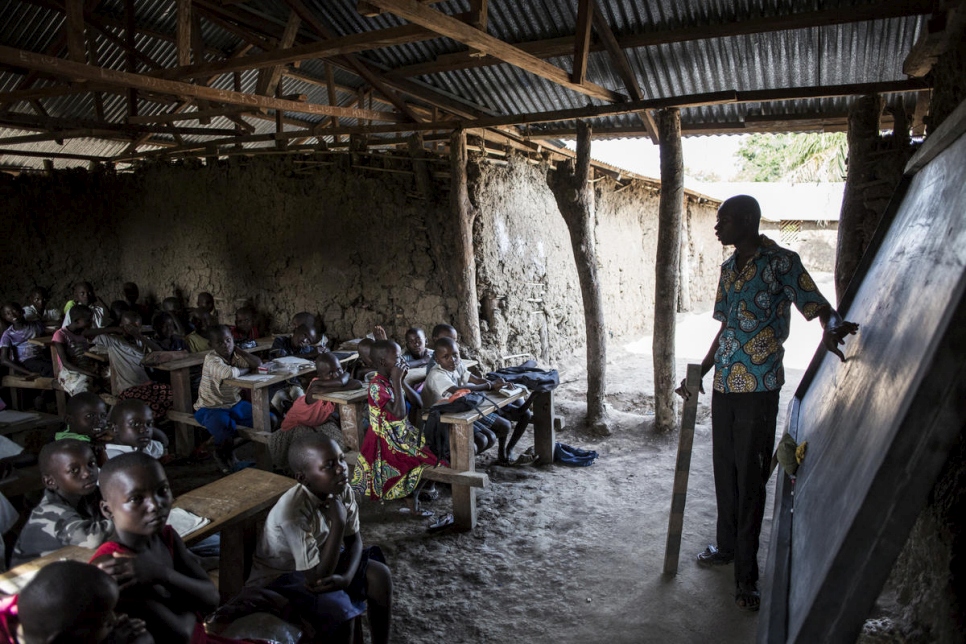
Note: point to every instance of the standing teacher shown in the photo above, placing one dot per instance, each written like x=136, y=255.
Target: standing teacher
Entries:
x=758, y=285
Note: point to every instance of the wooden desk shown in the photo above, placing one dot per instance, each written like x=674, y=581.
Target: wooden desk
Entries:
x=182, y=401
x=234, y=504
x=352, y=407
x=462, y=456
x=261, y=403
x=14, y=580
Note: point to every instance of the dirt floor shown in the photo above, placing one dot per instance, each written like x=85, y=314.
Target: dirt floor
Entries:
x=566, y=554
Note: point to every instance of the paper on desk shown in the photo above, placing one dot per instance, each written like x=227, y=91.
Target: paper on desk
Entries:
x=255, y=377
x=184, y=522
x=295, y=361
x=12, y=417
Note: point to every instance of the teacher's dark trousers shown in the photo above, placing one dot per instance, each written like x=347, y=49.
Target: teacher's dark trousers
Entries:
x=743, y=438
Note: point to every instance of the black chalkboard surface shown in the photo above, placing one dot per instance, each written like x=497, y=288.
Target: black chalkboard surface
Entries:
x=880, y=426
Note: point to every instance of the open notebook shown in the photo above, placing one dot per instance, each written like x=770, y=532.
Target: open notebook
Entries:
x=184, y=522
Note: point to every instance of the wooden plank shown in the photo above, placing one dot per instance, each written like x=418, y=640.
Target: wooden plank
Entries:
x=585, y=20
x=463, y=459
x=173, y=117
x=60, y=67
x=74, y=25
x=130, y=47
x=682, y=469
x=466, y=34
x=323, y=49
x=184, y=439
x=15, y=579
x=563, y=46
x=544, y=426
x=183, y=32
x=268, y=77
x=450, y=476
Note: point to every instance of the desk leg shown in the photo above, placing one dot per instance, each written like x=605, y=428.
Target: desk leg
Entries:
x=261, y=410
x=184, y=435
x=234, y=560
x=462, y=459
x=350, y=419
x=544, y=434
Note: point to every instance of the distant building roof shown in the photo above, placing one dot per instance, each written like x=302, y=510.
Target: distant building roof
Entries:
x=785, y=201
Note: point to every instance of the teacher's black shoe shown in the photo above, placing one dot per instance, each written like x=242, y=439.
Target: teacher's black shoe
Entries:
x=714, y=557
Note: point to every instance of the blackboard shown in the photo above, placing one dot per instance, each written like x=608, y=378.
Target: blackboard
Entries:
x=880, y=426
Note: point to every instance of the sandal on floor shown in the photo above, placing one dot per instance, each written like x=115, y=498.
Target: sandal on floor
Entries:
x=428, y=496
x=419, y=514
x=440, y=524
x=747, y=596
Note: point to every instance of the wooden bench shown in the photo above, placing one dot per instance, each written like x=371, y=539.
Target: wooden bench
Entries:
x=16, y=383
x=235, y=505
x=262, y=457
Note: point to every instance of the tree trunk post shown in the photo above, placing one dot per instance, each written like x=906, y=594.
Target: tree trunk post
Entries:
x=857, y=222
x=467, y=313
x=667, y=263
x=571, y=187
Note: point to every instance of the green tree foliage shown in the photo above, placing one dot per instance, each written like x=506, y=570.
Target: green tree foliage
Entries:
x=794, y=158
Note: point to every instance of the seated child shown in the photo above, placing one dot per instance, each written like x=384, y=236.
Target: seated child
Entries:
x=313, y=322
x=302, y=344
x=161, y=582
x=311, y=552
x=132, y=428
x=364, y=369
x=392, y=456
x=75, y=371
x=205, y=303
x=173, y=307
x=68, y=602
x=68, y=514
x=447, y=376
x=197, y=340
x=417, y=355
x=127, y=347
x=245, y=328
x=166, y=328
x=219, y=406
x=38, y=311
x=17, y=353
x=86, y=418
x=131, y=295
x=84, y=294
x=311, y=414
x=441, y=331
x=117, y=308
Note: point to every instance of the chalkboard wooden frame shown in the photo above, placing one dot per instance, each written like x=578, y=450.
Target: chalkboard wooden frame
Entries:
x=839, y=528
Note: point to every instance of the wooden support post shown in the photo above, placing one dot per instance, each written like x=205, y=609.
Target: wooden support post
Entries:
x=585, y=20
x=184, y=436
x=333, y=96
x=544, y=427
x=183, y=33
x=679, y=493
x=130, y=33
x=75, y=31
x=462, y=459
x=467, y=313
x=857, y=223
x=350, y=419
x=666, y=267
x=571, y=187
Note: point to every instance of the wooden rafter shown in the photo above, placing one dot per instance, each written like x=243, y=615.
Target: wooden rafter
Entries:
x=60, y=67
x=585, y=20
x=74, y=25
x=564, y=46
x=183, y=32
x=456, y=29
x=268, y=77
x=187, y=116
x=623, y=68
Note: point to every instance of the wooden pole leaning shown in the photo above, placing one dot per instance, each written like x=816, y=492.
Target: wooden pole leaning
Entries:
x=679, y=493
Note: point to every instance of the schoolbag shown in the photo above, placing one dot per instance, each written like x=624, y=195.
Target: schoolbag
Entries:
x=529, y=375
x=437, y=438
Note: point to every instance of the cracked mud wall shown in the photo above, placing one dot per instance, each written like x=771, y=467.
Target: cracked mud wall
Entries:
x=526, y=276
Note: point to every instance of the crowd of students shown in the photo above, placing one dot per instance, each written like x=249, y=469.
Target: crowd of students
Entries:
x=106, y=486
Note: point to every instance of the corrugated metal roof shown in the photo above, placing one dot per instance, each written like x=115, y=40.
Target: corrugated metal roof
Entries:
x=856, y=52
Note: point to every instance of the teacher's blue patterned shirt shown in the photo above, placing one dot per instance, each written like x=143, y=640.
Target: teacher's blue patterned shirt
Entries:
x=755, y=306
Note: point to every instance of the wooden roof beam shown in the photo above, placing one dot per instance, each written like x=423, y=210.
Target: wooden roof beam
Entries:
x=585, y=21
x=60, y=67
x=268, y=77
x=456, y=29
x=623, y=68
x=563, y=46
x=187, y=116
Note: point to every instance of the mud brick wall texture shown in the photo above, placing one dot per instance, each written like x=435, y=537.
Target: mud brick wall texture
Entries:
x=361, y=247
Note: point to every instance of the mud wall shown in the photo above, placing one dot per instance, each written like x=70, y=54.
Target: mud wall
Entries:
x=815, y=243
x=525, y=265
x=359, y=246
x=351, y=244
